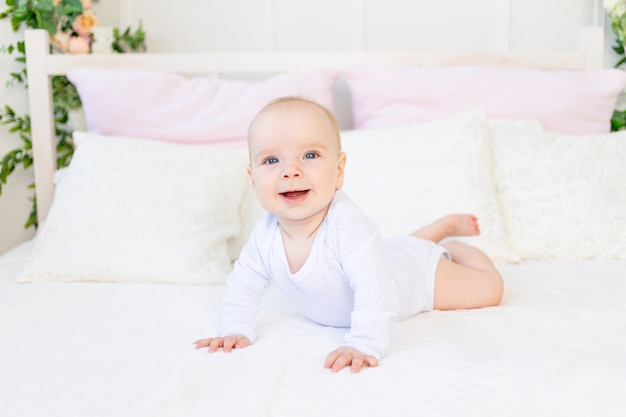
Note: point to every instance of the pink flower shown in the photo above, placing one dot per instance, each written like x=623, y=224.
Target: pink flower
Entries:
x=86, y=4
x=77, y=45
x=84, y=24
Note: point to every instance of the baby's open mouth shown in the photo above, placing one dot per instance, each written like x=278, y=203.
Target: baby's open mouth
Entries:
x=294, y=194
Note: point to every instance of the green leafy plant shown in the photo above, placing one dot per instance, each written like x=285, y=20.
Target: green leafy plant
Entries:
x=616, y=10
x=128, y=41
x=72, y=28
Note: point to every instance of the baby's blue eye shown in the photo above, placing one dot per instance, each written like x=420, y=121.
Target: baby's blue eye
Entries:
x=271, y=161
x=310, y=155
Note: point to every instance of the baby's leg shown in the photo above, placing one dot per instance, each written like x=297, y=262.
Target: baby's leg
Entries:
x=470, y=280
x=451, y=225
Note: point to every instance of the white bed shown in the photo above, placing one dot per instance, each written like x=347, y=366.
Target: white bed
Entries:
x=555, y=345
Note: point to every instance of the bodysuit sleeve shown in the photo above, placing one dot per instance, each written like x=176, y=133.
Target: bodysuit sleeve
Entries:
x=375, y=291
x=245, y=288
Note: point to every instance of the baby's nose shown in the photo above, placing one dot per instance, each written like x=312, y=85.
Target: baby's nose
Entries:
x=291, y=171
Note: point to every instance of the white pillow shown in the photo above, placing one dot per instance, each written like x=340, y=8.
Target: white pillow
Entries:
x=562, y=196
x=408, y=176
x=137, y=210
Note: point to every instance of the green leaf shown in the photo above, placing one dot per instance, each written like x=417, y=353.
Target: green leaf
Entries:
x=71, y=7
x=27, y=162
x=9, y=162
x=46, y=20
x=129, y=41
x=618, y=121
x=17, y=77
x=15, y=23
x=32, y=217
x=10, y=9
x=43, y=5
x=21, y=11
x=28, y=144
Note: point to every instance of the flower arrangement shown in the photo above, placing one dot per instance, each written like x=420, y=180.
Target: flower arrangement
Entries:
x=73, y=28
x=74, y=32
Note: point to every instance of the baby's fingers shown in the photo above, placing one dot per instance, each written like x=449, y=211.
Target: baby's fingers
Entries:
x=235, y=342
x=242, y=343
x=216, y=343
x=346, y=357
x=337, y=360
x=228, y=343
x=368, y=361
x=213, y=343
x=331, y=358
x=357, y=364
x=202, y=343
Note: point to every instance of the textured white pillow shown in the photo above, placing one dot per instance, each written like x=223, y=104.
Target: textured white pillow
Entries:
x=137, y=210
x=562, y=196
x=407, y=176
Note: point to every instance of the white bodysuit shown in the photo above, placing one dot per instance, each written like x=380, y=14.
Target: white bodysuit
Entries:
x=350, y=278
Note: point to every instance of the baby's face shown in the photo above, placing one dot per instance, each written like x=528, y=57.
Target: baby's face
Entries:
x=296, y=163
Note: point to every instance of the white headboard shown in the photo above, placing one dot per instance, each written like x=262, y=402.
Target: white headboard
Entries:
x=41, y=65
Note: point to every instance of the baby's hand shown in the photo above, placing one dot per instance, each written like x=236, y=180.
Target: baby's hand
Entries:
x=234, y=341
x=345, y=356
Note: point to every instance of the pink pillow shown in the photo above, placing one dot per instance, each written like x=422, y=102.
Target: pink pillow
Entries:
x=576, y=102
x=176, y=108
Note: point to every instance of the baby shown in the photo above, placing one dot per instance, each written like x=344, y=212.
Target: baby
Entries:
x=325, y=255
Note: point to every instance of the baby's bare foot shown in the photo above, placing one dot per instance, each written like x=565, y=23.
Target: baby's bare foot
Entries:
x=460, y=225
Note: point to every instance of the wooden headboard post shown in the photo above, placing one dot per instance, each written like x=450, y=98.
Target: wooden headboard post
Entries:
x=41, y=65
x=42, y=119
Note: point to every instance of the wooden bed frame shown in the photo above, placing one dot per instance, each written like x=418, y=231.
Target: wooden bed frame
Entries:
x=41, y=65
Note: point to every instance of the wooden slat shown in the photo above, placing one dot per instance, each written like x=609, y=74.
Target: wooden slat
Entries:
x=272, y=63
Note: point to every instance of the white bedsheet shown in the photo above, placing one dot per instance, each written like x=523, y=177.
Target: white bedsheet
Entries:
x=555, y=347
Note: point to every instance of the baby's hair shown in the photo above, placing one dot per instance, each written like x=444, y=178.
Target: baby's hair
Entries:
x=292, y=101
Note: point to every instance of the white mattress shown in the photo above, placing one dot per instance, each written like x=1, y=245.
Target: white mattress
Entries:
x=555, y=347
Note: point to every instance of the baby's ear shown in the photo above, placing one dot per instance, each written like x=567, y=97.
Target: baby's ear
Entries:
x=249, y=170
x=341, y=167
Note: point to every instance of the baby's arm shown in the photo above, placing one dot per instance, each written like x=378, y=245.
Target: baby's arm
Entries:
x=245, y=287
x=228, y=343
x=374, y=307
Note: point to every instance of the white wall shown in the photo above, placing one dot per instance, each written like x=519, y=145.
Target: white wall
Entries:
x=315, y=25
x=361, y=25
